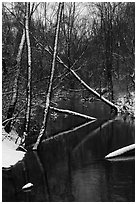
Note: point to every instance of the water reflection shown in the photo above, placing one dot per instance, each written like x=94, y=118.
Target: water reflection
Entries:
x=26, y=171
x=72, y=166
x=104, y=181
x=109, y=136
x=77, y=170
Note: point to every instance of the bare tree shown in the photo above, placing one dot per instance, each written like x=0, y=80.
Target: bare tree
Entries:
x=28, y=97
x=48, y=97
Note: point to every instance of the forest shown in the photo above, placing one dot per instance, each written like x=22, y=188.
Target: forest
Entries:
x=52, y=51
x=68, y=101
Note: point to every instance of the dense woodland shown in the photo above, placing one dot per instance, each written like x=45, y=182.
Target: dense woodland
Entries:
x=52, y=49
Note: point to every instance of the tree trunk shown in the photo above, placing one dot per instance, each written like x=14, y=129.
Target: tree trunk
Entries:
x=15, y=85
x=48, y=97
x=28, y=97
x=92, y=91
x=112, y=105
x=109, y=103
x=109, y=48
x=69, y=35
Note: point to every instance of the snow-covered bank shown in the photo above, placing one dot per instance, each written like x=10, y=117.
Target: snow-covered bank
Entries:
x=126, y=103
x=10, y=156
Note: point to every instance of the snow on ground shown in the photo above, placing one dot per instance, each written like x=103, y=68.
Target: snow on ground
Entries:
x=10, y=156
x=126, y=103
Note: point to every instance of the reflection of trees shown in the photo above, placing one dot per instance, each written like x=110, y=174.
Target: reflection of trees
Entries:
x=22, y=173
x=104, y=181
x=89, y=183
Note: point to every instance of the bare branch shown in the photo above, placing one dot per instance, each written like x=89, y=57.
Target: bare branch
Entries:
x=34, y=9
x=72, y=113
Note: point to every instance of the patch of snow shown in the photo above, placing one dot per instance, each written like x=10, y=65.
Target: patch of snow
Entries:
x=27, y=186
x=11, y=139
x=10, y=156
x=120, y=151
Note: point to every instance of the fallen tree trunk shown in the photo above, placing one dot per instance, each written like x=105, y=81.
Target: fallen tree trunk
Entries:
x=72, y=113
x=121, y=151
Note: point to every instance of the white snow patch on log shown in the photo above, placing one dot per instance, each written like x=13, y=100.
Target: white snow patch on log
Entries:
x=121, y=151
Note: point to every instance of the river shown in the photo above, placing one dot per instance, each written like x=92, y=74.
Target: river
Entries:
x=72, y=167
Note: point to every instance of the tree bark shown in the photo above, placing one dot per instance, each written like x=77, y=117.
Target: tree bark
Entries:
x=15, y=85
x=69, y=35
x=109, y=48
x=48, y=97
x=28, y=97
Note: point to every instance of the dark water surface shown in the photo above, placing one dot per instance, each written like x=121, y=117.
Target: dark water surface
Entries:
x=72, y=166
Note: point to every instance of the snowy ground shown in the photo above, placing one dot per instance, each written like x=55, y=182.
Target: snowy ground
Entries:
x=9, y=154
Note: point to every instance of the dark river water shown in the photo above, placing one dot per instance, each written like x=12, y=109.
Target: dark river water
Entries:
x=72, y=167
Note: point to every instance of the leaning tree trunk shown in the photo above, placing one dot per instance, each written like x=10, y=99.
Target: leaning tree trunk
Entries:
x=112, y=105
x=28, y=95
x=92, y=91
x=15, y=85
x=48, y=97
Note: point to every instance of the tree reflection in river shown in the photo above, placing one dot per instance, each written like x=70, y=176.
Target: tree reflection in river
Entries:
x=73, y=165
